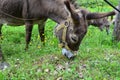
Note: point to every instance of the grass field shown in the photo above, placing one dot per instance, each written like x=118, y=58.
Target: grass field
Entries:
x=98, y=57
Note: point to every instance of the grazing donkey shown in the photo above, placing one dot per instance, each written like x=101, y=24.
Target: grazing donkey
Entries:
x=72, y=24
x=30, y=12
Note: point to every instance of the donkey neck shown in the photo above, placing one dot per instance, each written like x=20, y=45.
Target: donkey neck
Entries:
x=59, y=15
x=58, y=18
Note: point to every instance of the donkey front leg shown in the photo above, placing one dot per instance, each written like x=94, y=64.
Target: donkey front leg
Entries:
x=29, y=27
x=41, y=28
x=41, y=33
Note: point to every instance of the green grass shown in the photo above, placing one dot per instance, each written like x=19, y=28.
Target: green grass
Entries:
x=96, y=3
x=98, y=57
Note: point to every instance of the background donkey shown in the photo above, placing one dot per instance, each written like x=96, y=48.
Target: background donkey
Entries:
x=101, y=23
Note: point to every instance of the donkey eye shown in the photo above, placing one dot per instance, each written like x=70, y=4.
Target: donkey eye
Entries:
x=71, y=30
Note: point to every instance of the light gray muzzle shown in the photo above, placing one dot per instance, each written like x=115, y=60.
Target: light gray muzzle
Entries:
x=67, y=53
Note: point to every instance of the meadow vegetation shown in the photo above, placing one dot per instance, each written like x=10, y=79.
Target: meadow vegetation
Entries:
x=98, y=57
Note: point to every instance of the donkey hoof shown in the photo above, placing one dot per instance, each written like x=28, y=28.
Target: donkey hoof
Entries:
x=4, y=65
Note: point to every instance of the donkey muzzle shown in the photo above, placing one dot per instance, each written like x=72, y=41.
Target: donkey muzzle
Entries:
x=67, y=53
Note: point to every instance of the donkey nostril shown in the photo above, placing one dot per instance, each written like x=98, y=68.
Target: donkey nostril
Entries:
x=74, y=39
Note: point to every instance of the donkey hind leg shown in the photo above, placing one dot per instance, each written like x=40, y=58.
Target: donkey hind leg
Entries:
x=1, y=55
x=29, y=27
x=41, y=28
x=3, y=64
x=1, y=30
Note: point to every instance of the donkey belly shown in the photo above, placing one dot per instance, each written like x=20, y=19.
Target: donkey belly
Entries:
x=11, y=22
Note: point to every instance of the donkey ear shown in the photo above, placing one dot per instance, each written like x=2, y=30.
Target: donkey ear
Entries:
x=90, y=16
x=74, y=15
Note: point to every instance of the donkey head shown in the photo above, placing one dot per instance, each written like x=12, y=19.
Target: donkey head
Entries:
x=71, y=31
